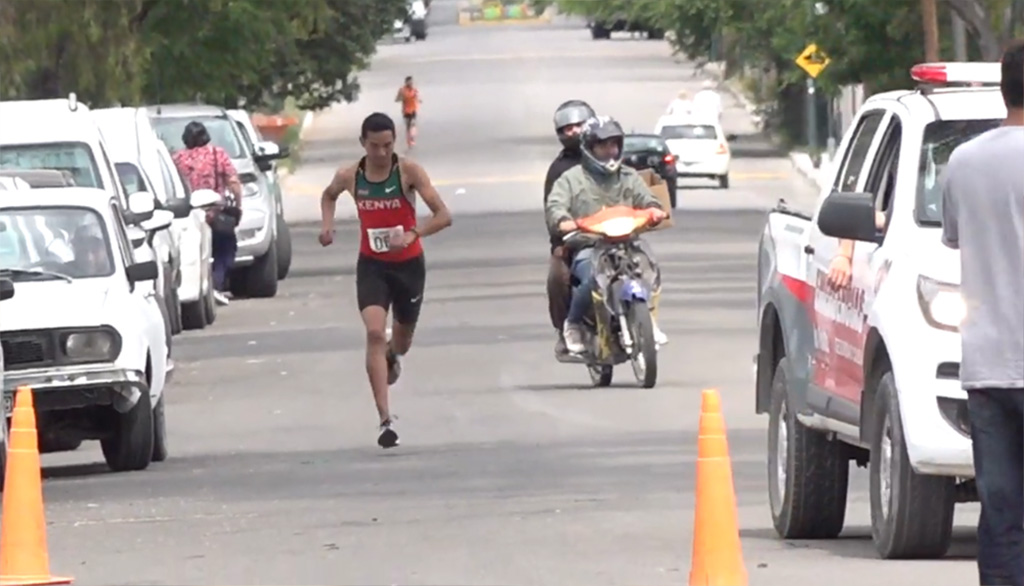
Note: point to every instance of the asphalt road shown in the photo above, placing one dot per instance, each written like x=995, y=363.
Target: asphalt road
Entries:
x=512, y=470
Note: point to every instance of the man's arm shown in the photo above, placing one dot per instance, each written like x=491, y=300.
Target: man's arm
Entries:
x=554, y=172
x=398, y=95
x=420, y=181
x=341, y=182
x=557, y=207
x=950, y=211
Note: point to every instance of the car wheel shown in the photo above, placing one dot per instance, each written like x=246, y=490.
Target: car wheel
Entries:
x=209, y=305
x=130, y=443
x=808, y=474
x=193, y=314
x=911, y=513
x=672, y=191
x=261, y=277
x=723, y=181
x=284, y=249
x=159, y=432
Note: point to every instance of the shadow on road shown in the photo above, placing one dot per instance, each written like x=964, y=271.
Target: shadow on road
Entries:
x=855, y=543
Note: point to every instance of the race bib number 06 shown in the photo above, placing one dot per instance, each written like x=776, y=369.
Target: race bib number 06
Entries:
x=381, y=238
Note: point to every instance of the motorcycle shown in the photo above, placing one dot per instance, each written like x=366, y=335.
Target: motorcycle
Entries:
x=619, y=329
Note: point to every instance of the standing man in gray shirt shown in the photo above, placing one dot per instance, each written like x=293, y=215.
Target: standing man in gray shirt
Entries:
x=983, y=217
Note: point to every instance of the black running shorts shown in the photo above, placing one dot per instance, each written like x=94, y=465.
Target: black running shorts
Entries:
x=397, y=286
x=409, y=117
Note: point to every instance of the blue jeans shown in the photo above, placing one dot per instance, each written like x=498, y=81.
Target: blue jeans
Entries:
x=582, y=299
x=997, y=434
x=224, y=248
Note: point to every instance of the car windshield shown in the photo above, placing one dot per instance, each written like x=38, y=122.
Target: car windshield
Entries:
x=54, y=243
x=221, y=129
x=940, y=140
x=634, y=144
x=131, y=177
x=689, y=131
x=73, y=157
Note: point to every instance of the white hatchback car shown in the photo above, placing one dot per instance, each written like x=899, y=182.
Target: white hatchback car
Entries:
x=81, y=333
x=700, y=146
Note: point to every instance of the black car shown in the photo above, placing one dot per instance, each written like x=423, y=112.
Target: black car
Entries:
x=649, y=151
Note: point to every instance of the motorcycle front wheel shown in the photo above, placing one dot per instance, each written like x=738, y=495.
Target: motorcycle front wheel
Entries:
x=645, y=351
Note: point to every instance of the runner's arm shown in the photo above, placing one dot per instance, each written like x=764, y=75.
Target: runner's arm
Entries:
x=398, y=95
x=420, y=181
x=329, y=199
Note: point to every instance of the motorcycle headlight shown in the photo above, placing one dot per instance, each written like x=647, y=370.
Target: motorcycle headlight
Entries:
x=941, y=304
x=92, y=346
x=250, y=189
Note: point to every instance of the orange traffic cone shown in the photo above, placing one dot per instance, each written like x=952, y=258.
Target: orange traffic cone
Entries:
x=24, y=560
x=717, y=554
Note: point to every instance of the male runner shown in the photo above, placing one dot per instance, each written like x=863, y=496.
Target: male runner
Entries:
x=390, y=271
x=409, y=96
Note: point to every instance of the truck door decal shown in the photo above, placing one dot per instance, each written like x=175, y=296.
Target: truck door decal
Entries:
x=840, y=332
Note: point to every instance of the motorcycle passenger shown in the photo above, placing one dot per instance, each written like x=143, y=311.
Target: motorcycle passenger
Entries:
x=569, y=118
x=599, y=181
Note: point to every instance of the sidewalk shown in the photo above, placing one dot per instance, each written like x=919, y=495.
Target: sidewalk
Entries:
x=819, y=177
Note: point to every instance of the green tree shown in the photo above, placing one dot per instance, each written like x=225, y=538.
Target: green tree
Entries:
x=49, y=48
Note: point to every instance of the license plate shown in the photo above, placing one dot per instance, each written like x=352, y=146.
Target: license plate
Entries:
x=8, y=404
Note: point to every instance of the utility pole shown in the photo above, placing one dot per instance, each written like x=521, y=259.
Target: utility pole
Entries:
x=930, y=20
x=959, y=37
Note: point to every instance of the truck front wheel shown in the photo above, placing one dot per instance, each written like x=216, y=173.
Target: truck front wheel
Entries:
x=808, y=474
x=911, y=514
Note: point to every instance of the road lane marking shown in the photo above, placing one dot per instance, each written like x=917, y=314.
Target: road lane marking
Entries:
x=309, y=189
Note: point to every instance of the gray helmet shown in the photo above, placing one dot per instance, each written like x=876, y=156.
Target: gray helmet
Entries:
x=568, y=114
x=599, y=129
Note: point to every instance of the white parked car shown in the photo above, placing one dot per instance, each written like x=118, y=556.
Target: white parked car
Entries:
x=61, y=135
x=700, y=146
x=81, y=332
x=144, y=164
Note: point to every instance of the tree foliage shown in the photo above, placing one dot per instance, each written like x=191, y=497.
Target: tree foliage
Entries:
x=256, y=52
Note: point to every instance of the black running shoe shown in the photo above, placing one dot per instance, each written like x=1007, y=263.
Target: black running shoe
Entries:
x=388, y=437
x=394, y=367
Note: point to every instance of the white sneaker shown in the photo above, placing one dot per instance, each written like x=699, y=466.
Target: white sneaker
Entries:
x=220, y=299
x=573, y=338
x=660, y=337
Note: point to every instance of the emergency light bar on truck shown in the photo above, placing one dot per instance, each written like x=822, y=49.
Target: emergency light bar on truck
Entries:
x=957, y=73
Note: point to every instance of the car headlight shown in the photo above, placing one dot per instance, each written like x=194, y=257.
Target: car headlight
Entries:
x=941, y=304
x=91, y=346
x=250, y=189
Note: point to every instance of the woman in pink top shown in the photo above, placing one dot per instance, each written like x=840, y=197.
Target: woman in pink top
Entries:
x=207, y=166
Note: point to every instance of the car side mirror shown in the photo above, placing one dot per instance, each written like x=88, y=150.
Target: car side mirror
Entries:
x=137, y=236
x=264, y=164
x=141, y=206
x=204, y=198
x=142, y=271
x=849, y=216
x=160, y=220
x=269, y=149
x=6, y=289
x=181, y=208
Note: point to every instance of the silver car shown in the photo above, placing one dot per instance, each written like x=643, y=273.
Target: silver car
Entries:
x=256, y=263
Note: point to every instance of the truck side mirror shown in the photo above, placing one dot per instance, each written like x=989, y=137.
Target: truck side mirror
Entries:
x=849, y=216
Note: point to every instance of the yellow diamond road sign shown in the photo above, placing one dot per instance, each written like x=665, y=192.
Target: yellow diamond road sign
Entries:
x=813, y=60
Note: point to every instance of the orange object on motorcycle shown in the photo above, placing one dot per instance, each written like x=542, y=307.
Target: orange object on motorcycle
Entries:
x=615, y=222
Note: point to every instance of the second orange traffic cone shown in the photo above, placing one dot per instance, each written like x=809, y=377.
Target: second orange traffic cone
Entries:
x=24, y=557
x=717, y=554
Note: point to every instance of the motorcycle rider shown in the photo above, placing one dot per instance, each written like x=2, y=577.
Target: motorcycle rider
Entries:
x=598, y=182
x=569, y=118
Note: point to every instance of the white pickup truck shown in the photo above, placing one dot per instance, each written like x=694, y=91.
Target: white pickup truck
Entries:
x=870, y=372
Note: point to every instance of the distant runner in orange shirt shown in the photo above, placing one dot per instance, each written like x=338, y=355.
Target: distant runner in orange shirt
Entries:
x=410, y=98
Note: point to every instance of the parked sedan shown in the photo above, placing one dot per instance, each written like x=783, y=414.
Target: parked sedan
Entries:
x=649, y=151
